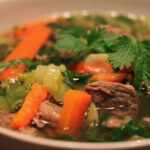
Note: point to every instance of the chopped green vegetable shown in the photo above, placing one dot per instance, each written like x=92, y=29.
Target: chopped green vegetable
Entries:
x=77, y=78
x=134, y=128
x=68, y=42
x=95, y=37
x=130, y=129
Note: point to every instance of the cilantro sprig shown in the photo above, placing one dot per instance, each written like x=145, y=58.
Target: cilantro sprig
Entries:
x=122, y=51
x=94, y=40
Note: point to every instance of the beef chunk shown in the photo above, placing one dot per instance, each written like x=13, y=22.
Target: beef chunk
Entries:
x=121, y=100
x=48, y=113
x=6, y=119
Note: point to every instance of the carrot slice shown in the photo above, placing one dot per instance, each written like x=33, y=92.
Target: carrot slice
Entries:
x=112, y=77
x=76, y=103
x=92, y=67
x=13, y=71
x=21, y=33
x=30, y=106
x=29, y=47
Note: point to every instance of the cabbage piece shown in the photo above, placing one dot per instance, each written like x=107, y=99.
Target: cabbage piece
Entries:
x=92, y=119
x=51, y=77
x=16, y=93
x=97, y=57
x=29, y=77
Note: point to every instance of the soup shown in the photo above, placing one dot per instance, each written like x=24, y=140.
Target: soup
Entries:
x=82, y=78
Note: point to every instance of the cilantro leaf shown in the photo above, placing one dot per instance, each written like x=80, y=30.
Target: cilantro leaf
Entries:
x=141, y=65
x=30, y=64
x=134, y=128
x=76, y=31
x=138, y=67
x=68, y=42
x=124, y=52
x=96, y=40
x=130, y=129
x=146, y=63
x=96, y=36
x=99, y=40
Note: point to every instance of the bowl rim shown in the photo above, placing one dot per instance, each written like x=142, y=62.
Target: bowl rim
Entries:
x=73, y=145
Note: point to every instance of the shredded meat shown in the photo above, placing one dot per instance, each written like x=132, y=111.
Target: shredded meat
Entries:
x=121, y=100
x=48, y=113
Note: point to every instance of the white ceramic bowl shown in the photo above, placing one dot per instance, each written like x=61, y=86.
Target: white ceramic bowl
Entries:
x=14, y=12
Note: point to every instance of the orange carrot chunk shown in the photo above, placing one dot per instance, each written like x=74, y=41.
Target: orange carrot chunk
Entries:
x=112, y=77
x=92, y=67
x=21, y=33
x=30, y=106
x=29, y=47
x=76, y=103
x=13, y=71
